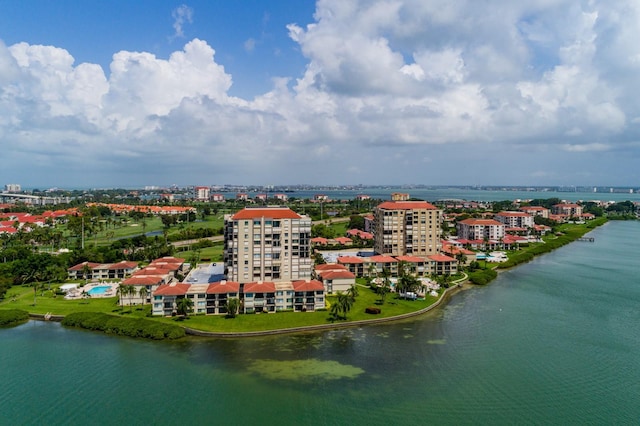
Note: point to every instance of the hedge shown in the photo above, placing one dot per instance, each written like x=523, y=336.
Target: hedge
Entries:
x=132, y=327
x=13, y=317
x=482, y=276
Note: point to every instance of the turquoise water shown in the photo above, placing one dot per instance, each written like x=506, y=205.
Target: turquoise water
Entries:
x=101, y=289
x=555, y=341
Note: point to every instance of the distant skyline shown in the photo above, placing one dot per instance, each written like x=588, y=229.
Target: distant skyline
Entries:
x=257, y=92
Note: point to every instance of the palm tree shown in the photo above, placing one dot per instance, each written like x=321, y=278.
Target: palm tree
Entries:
x=130, y=291
x=121, y=292
x=383, y=290
x=343, y=305
x=184, y=306
x=85, y=271
x=372, y=270
x=143, y=292
x=353, y=292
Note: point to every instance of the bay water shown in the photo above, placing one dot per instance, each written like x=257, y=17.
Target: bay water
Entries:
x=554, y=341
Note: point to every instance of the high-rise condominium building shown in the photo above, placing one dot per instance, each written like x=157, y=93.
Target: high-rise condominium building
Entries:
x=267, y=244
x=407, y=228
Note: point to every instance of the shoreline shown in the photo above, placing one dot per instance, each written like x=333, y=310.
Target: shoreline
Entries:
x=446, y=294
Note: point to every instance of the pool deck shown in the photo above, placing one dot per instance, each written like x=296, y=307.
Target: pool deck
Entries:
x=81, y=291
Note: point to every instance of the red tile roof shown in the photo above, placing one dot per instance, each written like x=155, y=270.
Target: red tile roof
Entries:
x=143, y=280
x=330, y=267
x=380, y=258
x=410, y=259
x=350, y=259
x=406, y=205
x=332, y=275
x=223, y=287
x=441, y=258
x=313, y=285
x=172, y=290
x=271, y=213
x=79, y=266
x=260, y=287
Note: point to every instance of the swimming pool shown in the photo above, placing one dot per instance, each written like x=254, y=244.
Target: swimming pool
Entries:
x=99, y=290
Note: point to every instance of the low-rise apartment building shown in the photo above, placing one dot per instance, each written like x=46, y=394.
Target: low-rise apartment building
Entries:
x=515, y=219
x=480, y=229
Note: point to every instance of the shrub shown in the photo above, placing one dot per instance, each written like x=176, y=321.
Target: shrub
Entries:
x=13, y=317
x=131, y=327
x=482, y=276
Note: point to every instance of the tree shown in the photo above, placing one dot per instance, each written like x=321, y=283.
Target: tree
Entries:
x=184, y=306
x=383, y=289
x=356, y=222
x=143, y=292
x=232, y=305
x=343, y=304
x=121, y=292
x=86, y=270
x=130, y=291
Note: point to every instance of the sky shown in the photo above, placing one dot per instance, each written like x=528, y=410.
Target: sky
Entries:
x=119, y=93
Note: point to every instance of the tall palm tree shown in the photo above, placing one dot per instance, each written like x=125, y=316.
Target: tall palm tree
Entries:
x=130, y=291
x=143, y=292
x=120, y=291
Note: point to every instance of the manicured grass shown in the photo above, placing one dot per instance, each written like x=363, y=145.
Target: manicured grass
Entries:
x=214, y=253
x=59, y=306
x=340, y=228
x=217, y=323
x=281, y=320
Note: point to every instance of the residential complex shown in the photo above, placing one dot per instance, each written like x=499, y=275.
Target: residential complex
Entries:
x=515, y=219
x=407, y=228
x=567, y=209
x=481, y=229
x=267, y=244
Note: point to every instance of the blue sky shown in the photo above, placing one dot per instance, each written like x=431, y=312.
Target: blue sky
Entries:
x=132, y=93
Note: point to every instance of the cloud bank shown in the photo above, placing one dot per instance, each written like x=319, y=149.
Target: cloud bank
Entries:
x=414, y=91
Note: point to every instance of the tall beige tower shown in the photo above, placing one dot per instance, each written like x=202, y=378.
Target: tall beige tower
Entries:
x=267, y=244
x=407, y=228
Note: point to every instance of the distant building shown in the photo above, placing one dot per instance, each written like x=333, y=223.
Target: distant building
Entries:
x=201, y=193
x=536, y=211
x=567, y=209
x=12, y=187
x=399, y=196
x=481, y=229
x=515, y=219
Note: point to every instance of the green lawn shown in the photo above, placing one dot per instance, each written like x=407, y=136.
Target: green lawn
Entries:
x=214, y=253
x=217, y=323
x=280, y=320
x=46, y=302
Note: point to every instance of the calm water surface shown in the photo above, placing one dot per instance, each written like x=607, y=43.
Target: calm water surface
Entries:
x=555, y=341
